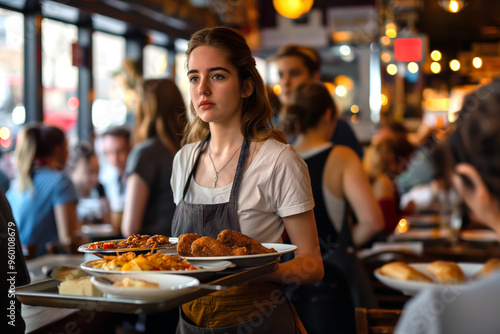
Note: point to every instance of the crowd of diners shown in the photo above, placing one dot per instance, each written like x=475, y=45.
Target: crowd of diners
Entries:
x=280, y=169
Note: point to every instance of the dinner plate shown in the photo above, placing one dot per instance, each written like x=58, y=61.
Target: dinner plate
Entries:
x=250, y=260
x=170, y=286
x=206, y=269
x=479, y=235
x=420, y=234
x=413, y=287
x=113, y=251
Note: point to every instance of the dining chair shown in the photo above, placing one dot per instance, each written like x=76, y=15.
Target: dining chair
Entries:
x=376, y=321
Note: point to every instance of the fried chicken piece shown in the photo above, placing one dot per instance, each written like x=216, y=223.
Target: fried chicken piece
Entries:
x=237, y=251
x=207, y=246
x=184, y=243
x=237, y=239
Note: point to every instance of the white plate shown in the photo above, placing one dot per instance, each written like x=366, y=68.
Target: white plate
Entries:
x=84, y=248
x=413, y=287
x=250, y=260
x=420, y=234
x=171, y=286
x=207, y=267
x=479, y=235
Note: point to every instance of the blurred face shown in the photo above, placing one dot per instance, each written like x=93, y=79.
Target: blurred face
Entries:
x=85, y=175
x=214, y=86
x=292, y=72
x=116, y=150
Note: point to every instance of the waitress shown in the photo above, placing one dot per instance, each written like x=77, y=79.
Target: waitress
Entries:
x=236, y=172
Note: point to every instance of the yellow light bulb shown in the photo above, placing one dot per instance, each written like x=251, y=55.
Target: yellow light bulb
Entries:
x=392, y=69
x=454, y=65
x=435, y=67
x=436, y=55
x=477, y=62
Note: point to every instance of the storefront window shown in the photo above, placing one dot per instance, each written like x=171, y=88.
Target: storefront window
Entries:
x=59, y=76
x=155, y=62
x=12, y=113
x=114, y=82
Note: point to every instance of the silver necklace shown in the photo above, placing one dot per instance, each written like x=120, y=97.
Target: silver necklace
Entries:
x=216, y=176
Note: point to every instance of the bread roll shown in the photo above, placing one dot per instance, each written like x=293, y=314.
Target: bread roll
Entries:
x=489, y=268
x=446, y=272
x=65, y=273
x=402, y=271
x=79, y=287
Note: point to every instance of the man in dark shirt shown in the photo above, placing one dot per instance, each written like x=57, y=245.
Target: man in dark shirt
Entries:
x=297, y=65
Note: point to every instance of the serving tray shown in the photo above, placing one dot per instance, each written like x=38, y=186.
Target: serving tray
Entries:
x=45, y=293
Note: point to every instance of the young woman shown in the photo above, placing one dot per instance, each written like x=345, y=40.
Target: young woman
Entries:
x=235, y=172
x=160, y=120
x=43, y=198
x=475, y=171
x=338, y=183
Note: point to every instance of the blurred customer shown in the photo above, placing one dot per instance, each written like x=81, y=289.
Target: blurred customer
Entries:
x=42, y=197
x=474, y=173
x=116, y=146
x=83, y=169
x=339, y=183
x=160, y=121
x=301, y=64
x=381, y=163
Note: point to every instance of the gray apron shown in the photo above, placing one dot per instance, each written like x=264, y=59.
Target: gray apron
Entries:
x=210, y=220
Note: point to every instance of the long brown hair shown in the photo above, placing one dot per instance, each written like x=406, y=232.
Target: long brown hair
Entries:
x=160, y=113
x=35, y=142
x=256, y=119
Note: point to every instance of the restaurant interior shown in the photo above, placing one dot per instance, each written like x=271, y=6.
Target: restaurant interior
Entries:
x=391, y=67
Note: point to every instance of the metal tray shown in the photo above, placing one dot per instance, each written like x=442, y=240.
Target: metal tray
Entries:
x=45, y=293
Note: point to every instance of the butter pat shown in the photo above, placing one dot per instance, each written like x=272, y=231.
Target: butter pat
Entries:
x=79, y=287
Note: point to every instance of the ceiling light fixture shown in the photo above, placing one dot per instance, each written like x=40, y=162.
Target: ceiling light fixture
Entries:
x=292, y=9
x=453, y=6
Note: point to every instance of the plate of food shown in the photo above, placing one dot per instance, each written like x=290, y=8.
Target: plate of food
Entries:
x=157, y=263
x=413, y=277
x=232, y=246
x=145, y=286
x=135, y=243
x=479, y=235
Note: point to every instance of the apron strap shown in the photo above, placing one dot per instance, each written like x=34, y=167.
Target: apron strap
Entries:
x=195, y=166
x=239, y=171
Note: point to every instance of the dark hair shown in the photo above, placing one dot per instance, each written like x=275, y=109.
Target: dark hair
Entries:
x=256, y=118
x=308, y=103
x=477, y=136
x=160, y=113
x=309, y=55
x=82, y=150
x=118, y=131
x=36, y=141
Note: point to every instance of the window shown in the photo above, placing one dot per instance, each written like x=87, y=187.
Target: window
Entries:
x=59, y=76
x=155, y=62
x=12, y=114
x=114, y=82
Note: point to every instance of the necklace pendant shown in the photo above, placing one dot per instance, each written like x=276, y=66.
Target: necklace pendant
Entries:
x=215, y=180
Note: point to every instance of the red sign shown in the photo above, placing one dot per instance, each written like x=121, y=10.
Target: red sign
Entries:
x=408, y=49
